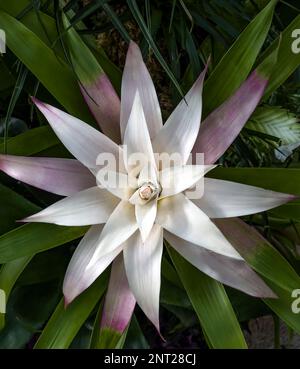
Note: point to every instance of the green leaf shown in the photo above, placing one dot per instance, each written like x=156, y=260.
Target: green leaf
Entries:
x=269, y=178
x=283, y=306
x=43, y=25
x=51, y=71
x=84, y=62
x=287, y=61
x=14, y=7
x=13, y=207
x=236, y=64
x=31, y=142
x=38, y=21
x=211, y=304
x=9, y=273
x=65, y=323
x=266, y=261
x=30, y=239
x=277, y=122
x=106, y=338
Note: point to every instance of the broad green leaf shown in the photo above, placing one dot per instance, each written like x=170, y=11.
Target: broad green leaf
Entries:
x=287, y=62
x=85, y=64
x=268, y=262
x=38, y=21
x=283, y=306
x=112, y=71
x=43, y=25
x=66, y=322
x=258, y=252
x=52, y=72
x=32, y=238
x=9, y=273
x=276, y=179
x=31, y=142
x=269, y=178
x=211, y=304
x=236, y=64
x=13, y=207
x=173, y=295
x=97, y=90
x=14, y=7
x=277, y=122
x=169, y=273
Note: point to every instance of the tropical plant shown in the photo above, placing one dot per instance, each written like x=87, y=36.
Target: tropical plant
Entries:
x=52, y=54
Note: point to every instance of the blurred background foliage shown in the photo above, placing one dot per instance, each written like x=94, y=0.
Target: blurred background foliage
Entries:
x=176, y=38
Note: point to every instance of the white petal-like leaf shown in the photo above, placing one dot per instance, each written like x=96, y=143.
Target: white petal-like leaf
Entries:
x=181, y=217
x=145, y=217
x=119, y=300
x=174, y=180
x=77, y=277
x=232, y=272
x=225, y=199
x=137, y=139
x=82, y=140
x=119, y=184
x=143, y=269
x=60, y=176
x=91, y=206
x=136, y=77
x=179, y=133
x=118, y=228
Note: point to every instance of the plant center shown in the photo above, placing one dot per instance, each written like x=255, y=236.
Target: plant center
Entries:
x=147, y=191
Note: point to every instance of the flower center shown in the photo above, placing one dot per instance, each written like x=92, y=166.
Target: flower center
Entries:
x=147, y=191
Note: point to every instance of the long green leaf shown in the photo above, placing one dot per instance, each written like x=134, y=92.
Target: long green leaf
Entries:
x=268, y=262
x=52, y=72
x=43, y=25
x=211, y=304
x=35, y=20
x=269, y=178
x=65, y=323
x=9, y=273
x=283, y=306
x=287, y=61
x=13, y=207
x=236, y=64
x=31, y=142
x=30, y=239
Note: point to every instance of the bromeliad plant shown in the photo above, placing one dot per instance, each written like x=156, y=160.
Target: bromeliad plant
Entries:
x=128, y=211
x=145, y=202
